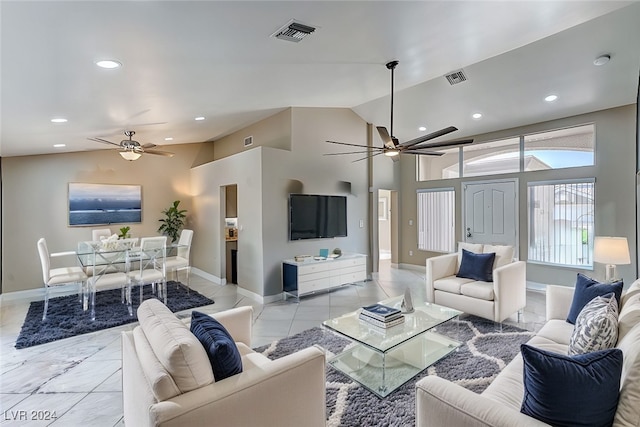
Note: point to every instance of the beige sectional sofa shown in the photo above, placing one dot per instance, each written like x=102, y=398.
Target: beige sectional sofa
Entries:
x=496, y=300
x=167, y=378
x=443, y=403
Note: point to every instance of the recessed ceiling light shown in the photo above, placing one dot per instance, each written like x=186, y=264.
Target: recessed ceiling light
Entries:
x=108, y=63
x=59, y=145
x=422, y=128
x=199, y=118
x=477, y=116
x=59, y=120
x=602, y=59
x=551, y=98
x=168, y=139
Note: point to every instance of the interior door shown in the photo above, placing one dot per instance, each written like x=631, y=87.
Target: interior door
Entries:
x=491, y=214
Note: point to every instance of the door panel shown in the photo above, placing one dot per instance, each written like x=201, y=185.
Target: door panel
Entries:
x=491, y=213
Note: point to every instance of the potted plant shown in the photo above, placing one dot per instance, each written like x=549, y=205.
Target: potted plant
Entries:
x=173, y=221
x=124, y=233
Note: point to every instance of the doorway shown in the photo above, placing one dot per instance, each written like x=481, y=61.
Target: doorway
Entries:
x=491, y=212
x=387, y=229
x=230, y=206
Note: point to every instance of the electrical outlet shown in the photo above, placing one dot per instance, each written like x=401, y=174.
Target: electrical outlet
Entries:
x=361, y=223
x=410, y=222
x=410, y=253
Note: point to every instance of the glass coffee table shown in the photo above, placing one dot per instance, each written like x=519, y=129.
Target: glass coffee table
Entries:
x=384, y=359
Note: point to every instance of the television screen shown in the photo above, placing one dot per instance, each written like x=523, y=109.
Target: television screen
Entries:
x=316, y=217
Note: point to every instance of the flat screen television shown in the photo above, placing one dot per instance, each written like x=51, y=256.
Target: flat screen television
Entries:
x=313, y=216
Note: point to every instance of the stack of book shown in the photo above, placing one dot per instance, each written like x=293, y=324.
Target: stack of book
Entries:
x=381, y=316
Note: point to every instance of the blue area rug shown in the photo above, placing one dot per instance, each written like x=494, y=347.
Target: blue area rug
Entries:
x=65, y=317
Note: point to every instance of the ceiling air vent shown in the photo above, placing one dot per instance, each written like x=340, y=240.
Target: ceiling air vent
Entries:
x=456, y=77
x=293, y=31
x=248, y=141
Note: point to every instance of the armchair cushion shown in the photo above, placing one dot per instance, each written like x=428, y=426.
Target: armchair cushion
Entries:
x=222, y=351
x=504, y=254
x=596, y=326
x=471, y=247
x=476, y=266
x=577, y=390
x=480, y=290
x=586, y=290
x=176, y=348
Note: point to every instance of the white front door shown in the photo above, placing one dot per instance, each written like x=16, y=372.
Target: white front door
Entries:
x=491, y=212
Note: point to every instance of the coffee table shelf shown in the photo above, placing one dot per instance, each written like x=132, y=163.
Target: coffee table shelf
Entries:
x=382, y=360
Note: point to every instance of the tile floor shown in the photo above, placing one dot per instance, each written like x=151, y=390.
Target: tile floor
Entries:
x=79, y=378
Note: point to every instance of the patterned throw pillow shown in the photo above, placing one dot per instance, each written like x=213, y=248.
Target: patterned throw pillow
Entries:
x=596, y=326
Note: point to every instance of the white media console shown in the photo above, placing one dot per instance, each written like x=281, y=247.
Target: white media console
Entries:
x=309, y=276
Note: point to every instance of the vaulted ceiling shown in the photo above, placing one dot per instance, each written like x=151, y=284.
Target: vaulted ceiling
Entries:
x=217, y=60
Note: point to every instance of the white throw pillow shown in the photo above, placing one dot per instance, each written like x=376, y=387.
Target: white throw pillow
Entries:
x=504, y=254
x=596, y=326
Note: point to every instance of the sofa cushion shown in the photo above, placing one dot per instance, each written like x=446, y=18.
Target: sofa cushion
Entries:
x=596, y=326
x=476, y=266
x=556, y=330
x=504, y=254
x=161, y=383
x=471, y=247
x=586, y=290
x=177, y=349
x=634, y=289
x=477, y=289
x=222, y=351
x=451, y=284
x=629, y=315
x=579, y=390
x=629, y=402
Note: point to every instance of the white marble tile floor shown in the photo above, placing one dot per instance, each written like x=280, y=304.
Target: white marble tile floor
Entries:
x=78, y=379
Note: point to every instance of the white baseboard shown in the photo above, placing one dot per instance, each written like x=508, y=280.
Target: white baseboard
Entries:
x=259, y=298
x=208, y=276
x=413, y=267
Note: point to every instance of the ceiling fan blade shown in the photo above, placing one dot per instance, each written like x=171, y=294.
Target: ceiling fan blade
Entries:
x=423, y=153
x=365, y=158
x=149, y=145
x=387, y=140
x=346, y=152
x=429, y=136
x=103, y=141
x=444, y=144
x=159, y=153
x=355, y=145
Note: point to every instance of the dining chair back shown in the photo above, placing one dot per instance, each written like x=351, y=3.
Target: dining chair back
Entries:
x=152, y=268
x=181, y=260
x=100, y=232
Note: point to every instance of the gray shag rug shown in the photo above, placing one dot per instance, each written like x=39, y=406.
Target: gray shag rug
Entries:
x=65, y=317
x=485, y=352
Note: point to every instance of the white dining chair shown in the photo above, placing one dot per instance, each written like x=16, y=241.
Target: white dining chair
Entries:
x=100, y=232
x=152, y=269
x=181, y=260
x=58, y=276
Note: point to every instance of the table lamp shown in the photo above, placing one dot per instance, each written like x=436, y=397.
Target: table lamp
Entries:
x=611, y=251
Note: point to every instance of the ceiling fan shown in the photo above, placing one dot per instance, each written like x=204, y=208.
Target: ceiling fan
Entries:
x=132, y=150
x=392, y=147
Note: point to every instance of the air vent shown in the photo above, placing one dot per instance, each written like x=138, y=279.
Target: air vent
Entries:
x=293, y=31
x=248, y=141
x=456, y=77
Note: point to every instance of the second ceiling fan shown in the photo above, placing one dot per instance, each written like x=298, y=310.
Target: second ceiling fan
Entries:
x=392, y=147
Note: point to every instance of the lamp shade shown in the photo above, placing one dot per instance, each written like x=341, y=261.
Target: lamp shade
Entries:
x=130, y=155
x=611, y=250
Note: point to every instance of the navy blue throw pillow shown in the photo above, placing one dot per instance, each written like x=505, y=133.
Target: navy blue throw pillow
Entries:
x=476, y=266
x=222, y=351
x=579, y=390
x=586, y=290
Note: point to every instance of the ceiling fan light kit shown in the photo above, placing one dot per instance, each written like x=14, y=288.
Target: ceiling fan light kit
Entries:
x=391, y=147
x=132, y=150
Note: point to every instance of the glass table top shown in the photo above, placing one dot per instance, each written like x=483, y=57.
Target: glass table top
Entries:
x=425, y=317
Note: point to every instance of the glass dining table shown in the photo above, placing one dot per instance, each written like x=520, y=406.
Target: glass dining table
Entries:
x=109, y=264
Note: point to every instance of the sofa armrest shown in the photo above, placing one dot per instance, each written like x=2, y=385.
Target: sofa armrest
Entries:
x=510, y=289
x=442, y=403
x=558, y=301
x=285, y=391
x=437, y=268
x=238, y=322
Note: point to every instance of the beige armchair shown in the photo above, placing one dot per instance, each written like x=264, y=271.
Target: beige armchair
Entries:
x=167, y=378
x=495, y=300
